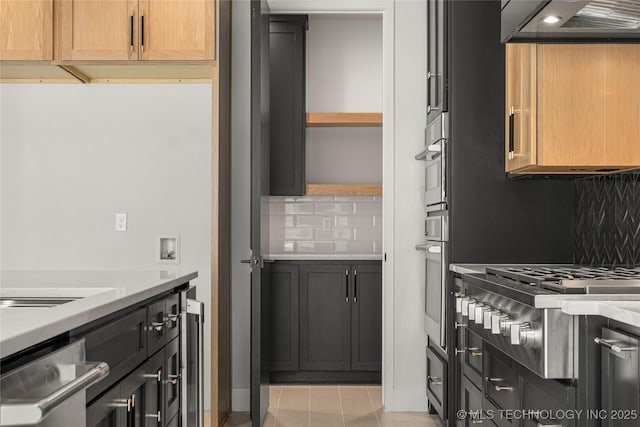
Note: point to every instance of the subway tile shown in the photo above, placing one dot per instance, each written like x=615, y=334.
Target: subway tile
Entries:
x=314, y=247
x=308, y=221
x=280, y=221
x=276, y=208
x=293, y=233
x=373, y=208
x=299, y=208
x=377, y=246
x=368, y=234
x=350, y=221
x=316, y=199
x=281, y=247
x=334, y=208
x=353, y=247
x=355, y=198
x=337, y=234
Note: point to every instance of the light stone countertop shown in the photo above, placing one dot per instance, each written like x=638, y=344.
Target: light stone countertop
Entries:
x=101, y=292
x=324, y=257
x=622, y=311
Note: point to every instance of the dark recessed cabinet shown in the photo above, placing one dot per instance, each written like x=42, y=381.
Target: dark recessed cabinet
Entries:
x=326, y=321
x=436, y=58
x=288, y=109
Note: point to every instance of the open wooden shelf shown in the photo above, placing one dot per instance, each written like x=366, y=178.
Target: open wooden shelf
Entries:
x=320, y=120
x=344, y=190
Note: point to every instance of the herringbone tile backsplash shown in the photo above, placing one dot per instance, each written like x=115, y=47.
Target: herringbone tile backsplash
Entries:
x=607, y=230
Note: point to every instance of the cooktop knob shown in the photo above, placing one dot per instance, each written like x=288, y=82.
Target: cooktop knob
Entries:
x=520, y=333
x=479, y=316
x=496, y=318
x=487, y=318
x=459, y=298
x=464, y=305
x=472, y=309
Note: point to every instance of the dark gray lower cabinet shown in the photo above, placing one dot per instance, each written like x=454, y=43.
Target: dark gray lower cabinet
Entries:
x=471, y=403
x=283, y=320
x=106, y=412
x=326, y=321
x=325, y=308
x=620, y=378
x=366, y=318
x=500, y=385
x=172, y=380
x=548, y=398
x=437, y=382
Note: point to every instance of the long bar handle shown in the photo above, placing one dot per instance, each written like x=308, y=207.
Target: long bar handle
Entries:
x=131, y=33
x=355, y=286
x=612, y=346
x=434, y=148
x=346, y=286
x=141, y=33
x=498, y=387
x=197, y=308
x=512, y=144
x=34, y=412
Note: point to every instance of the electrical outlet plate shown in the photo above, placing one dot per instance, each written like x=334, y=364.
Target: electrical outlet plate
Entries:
x=121, y=222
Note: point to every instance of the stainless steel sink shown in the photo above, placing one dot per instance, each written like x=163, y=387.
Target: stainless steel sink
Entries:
x=34, y=302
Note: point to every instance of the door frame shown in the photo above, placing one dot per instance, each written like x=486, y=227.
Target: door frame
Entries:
x=386, y=8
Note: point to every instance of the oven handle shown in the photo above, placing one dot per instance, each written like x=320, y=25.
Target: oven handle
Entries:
x=29, y=413
x=434, y=149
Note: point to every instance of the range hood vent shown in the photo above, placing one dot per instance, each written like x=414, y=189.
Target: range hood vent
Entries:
x=603, y=14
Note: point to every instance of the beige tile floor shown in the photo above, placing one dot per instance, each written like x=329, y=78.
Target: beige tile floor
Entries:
x=331, y=406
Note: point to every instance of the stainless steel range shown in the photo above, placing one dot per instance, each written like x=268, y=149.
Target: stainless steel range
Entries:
x=500, y=306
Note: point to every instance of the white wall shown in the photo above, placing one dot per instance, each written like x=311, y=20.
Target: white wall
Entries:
x=344, y=74
x=403, y=101
x=74, y=155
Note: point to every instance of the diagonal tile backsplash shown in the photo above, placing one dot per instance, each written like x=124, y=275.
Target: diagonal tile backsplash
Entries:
x=608, y=220
x=326, y=225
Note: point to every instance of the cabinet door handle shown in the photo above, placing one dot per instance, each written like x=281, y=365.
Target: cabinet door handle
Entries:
x=173, y=318
x=157, y=376
x=474, y=352
x=157, y=415
x=131, y=33
x=173, y=379
x=355, y=286
x=512, y=144
x=434, y=380
x=158, y=326
x=142, y=33
x=498, y=387
x=346, y=286
x=610, y=344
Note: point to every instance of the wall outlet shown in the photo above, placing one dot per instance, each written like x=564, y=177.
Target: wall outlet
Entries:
x=121, y=222
x=326, y=223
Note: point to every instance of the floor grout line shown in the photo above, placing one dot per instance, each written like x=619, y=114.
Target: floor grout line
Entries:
x=309, y=409
x=375, y=410
x=341, y=407
x=275, y=416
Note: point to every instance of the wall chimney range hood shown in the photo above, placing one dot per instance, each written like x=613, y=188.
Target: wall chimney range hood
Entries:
x=570, y=20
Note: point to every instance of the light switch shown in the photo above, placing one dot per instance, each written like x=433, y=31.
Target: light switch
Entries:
x=121, y=222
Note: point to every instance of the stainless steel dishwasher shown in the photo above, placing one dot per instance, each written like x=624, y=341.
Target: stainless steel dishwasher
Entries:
x=50, y=391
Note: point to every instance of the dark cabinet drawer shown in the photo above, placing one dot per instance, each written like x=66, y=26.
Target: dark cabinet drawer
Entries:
x=500, y=383
x=156, y=326
x=471, y=403
x=154, y=391
x=172, y=308
x=172, y=379
x=472, y=358
x=437, y=382
x=122, y=344
x=550, y=396
x=105, y=412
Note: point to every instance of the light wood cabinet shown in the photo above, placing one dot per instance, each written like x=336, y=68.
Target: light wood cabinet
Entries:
x=132, y=30
x=572, y=108
x=26, y=30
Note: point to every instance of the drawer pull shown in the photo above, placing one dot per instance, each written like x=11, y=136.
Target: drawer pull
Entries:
x=476, y=421
x=434, y=380
x=460, y=325
x=499, y=387
x=173, y=318
x=157, y=415
x=474, y=351
x=173, y=379
x=460, y=351
x=158, y=326
x=157, y=376
x=610, y=344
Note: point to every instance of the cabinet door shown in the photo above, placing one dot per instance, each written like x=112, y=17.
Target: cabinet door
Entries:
x=154, y=390
x=571, y=127
x=471, y=403
x=26, y=30
x=108, y=411
x=287, y=97
x=172, y=379
x=500, y=384
x=366, y=318
x=436, y=383
x=622, y=105
x=325, y=306
x=284, y=318
x=540, y=394
x=521, y=106
x=620, y=378
x=436, y=58
x=172, y=309
x=177, y=29
x=98, y=30
x=132, y=390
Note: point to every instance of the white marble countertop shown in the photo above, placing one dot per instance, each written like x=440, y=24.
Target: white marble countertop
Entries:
x=622, y=311
x=321, y=257
x=102, y=292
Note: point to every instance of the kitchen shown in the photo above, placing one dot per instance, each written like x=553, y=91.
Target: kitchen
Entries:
x=60, y=216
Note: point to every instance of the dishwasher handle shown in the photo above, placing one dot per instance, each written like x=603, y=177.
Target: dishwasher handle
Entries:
x=32, y=412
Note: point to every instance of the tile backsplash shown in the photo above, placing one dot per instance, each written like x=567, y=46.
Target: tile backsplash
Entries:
x=607, y=228
x=325, y=225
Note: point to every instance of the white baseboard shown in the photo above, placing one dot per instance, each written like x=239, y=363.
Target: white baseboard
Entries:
x=240, y=400
x=405, y=400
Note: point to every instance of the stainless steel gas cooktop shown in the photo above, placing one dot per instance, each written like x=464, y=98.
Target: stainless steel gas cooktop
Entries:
x=574, y=279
